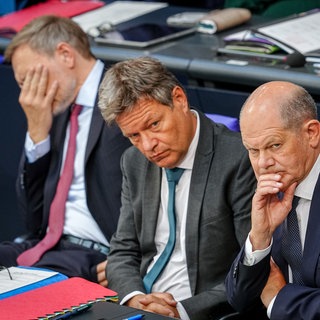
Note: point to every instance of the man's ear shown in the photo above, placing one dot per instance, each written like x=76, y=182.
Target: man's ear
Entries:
x=313, y=130
x=65, y=53
x=179, y=97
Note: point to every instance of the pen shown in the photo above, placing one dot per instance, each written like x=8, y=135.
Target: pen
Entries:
x=78, y=310
x=136, y=317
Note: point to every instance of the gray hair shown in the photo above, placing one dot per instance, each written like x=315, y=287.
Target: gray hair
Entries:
x=44, y=33
x=128, y=81
x=297, y=109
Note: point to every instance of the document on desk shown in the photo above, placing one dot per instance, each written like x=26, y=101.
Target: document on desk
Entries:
x=300, y=32
x=21, y=277
x=116, y=12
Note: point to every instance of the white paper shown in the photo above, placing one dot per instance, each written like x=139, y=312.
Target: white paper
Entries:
x=21, y=277
x=301, y=33
x=116, y=12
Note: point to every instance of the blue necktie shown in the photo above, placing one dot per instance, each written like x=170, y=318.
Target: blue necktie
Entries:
x=291, y=243
x=173, y=176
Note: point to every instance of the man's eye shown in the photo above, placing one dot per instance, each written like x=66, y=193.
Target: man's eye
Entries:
x=133, y=136
x=155, y=124
x=276, y=146
x=253, y=151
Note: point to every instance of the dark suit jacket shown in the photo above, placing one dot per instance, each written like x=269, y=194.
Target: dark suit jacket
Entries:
x=37, y=181
x=218, y=218
x=245, y=283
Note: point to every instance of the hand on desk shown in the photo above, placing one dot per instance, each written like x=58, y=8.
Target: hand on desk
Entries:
x=157, y=302
x=101, y=273
x=275, y=283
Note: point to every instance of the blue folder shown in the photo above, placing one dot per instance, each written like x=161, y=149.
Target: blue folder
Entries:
x=55, y=278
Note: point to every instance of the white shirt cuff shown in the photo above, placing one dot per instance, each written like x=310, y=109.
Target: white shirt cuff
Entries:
x=269, y=309
x=36, y=151
x=129, y=296
x=182, y=312
x=253, y=257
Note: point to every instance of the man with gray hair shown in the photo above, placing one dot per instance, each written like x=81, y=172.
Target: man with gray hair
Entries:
x=69, y=178
x=175, y=239
x=279, y=264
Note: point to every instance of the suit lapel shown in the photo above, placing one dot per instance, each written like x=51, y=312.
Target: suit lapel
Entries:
x=151, y=201
x=200, y=171
x=312, y=244
x=96, y=126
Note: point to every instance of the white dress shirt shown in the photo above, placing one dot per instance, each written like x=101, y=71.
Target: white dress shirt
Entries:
x=78, y=219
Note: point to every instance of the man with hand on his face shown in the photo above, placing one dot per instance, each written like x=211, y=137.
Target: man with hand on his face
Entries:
x=171, y=256
x=279, y=263
x=58, y=76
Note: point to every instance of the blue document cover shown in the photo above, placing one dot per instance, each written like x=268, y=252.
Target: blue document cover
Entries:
x=22, y=279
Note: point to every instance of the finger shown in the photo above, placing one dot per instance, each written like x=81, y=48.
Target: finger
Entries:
x=269, y=184
x=101, y=266
x=289, y=194
x=104, y=283
x=269, y=177
x=171, y=302
x=101, y=276
x=35, y=80
x=41, y=81
x=160, y=309
x=148, y=298
x=25, y=86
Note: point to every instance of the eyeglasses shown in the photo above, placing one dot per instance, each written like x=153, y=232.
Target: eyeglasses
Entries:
x=5, y=268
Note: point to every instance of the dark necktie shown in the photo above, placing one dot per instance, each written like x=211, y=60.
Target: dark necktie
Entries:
x=291, y=243
x=57, y=209
x=173, y=176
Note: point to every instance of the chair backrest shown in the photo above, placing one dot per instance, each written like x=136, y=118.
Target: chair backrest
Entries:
x=230, y=122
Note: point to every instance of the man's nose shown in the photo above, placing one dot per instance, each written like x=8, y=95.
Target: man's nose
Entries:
x=265, y=160
x=148, y=142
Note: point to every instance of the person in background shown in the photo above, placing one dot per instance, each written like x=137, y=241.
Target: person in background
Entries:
x=176, y=271
x=279, y=264
x=56, y=71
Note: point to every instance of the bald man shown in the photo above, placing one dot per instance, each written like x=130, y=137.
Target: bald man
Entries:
x=281, y=132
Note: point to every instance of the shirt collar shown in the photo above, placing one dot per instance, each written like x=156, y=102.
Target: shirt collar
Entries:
x=306, y=187
x=88, y=91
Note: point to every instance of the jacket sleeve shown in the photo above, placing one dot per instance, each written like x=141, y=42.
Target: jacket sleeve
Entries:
x=296, y=302
x=30, y=191
x=244, y=284
x=124, y=259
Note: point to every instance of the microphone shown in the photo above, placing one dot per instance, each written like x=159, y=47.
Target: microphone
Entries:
x=294, y=59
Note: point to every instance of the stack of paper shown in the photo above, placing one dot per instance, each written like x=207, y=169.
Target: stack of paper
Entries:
x=15, y=280
x=300, y=33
